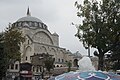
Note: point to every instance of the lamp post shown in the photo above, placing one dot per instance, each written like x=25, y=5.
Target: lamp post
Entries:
x=88, y=47
x=88, y=51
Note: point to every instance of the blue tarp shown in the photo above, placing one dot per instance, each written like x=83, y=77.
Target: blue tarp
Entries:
x=88, y=75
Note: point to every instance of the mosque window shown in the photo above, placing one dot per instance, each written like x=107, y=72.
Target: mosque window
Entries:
x=57, y=65
x=26, y=58
x=12, y=24
x=12, y=66
x=30, y=57
x=37, y=69
x=16, y=66
x=36, y=24
x=8, y=67
x=40, y=25
x=62, y=60
x=19, y=24
x=28, y=42
x=40, y=69
x=44, y=26
x=15, y=24
x=30, y=24
x=54, y=59
x=59, y=60
x=22, y=23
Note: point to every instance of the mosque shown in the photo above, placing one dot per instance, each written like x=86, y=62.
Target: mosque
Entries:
x=39, y=40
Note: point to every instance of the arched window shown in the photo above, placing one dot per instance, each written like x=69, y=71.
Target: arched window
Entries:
x=54, y=59
x=62, y=60
x=26, y=58
x=16, y=66
x=36, y=24
x=59, y=60
x=37, y=69
x=19, y=24
x=12, y=66
x=28, y=41
x=40, y=25
x=75, y=62
x=40, y=69
x=30, y=24
x=8, y=67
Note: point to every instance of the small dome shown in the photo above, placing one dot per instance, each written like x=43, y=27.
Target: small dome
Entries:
x=78, y=54
x=29, y=18
x=55, y=34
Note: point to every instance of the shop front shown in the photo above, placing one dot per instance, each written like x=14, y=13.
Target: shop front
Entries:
x=26, y=75
x=25, y=71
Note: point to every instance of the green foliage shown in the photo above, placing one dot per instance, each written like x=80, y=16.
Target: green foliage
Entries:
x=12, y=41
x=116, y=66
x=49, y=62
x=115, y=57
x=100, y=28
x=107, y=63
x=3, y=58
x=69, y=64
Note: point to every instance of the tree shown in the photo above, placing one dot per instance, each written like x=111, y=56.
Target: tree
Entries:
x=49, y=62
x=100, y=28
x=10, y=42
x=3, y=58
x=107, y=62
x=112, y=60
x=69, y=64
x=115, y=57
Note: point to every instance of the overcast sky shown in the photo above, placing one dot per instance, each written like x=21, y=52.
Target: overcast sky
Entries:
x=56, y=14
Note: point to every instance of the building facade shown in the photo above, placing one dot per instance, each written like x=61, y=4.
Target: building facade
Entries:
x=39, y=40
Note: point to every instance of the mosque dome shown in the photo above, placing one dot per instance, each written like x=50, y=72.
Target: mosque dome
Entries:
x=29, y=21
x=29, y=18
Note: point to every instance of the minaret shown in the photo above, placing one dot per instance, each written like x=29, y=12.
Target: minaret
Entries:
x=28, y=12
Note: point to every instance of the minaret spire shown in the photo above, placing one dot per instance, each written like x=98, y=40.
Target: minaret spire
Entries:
x=28, y=12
